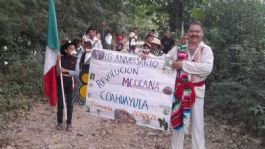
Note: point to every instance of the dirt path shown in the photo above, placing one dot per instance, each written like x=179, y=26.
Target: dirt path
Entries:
x=36, y=129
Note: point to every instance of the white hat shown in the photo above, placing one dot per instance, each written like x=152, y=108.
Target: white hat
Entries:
x=156, y=41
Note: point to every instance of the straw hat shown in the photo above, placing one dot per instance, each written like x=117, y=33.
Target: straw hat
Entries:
x=156, y=41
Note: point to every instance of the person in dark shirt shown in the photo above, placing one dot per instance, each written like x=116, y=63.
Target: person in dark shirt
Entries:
x=82, y=61
x=68, y=61
x=167, y=41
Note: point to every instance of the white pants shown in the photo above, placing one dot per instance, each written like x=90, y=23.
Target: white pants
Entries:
x=197, y=128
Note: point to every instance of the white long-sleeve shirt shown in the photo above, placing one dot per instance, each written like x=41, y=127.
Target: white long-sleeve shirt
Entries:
x=198, y=66
x=96, y=43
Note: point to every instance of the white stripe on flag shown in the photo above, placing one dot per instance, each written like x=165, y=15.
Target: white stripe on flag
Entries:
x=50, y=59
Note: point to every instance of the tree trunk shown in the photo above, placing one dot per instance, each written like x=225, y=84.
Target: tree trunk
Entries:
x=176, y=14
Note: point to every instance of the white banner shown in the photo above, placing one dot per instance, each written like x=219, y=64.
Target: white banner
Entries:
x=126, y=88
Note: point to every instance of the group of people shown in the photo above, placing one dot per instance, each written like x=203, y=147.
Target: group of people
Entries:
x=195, y=65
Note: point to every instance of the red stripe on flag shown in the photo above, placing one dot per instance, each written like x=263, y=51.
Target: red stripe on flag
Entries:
x=50, y=86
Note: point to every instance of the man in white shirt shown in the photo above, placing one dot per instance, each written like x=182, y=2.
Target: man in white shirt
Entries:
x=90, y=36
x=132, y=41
x=198, y=65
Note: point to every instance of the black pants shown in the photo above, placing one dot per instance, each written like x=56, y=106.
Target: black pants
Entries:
x=69, y=104
x=132, y=48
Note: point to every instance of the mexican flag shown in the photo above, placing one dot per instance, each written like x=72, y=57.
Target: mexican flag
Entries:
x=52, y=50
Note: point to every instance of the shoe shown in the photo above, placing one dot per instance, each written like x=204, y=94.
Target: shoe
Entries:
x=69, y=128
x=59, y=126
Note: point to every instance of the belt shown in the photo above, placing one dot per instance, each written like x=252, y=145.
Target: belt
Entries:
x=181, y=86
x=186, y=101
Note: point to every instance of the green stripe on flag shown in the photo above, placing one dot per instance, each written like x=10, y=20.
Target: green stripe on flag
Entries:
x=53, y=39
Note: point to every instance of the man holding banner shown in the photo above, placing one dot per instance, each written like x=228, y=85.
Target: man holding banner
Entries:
x=194, y=63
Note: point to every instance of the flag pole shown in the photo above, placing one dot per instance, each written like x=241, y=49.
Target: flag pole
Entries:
x=62, y=87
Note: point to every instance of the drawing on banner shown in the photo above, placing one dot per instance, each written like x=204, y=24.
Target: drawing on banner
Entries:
x=122, y=116
x=83, y=77
x=128, y=89
x=99, y=55
x=168, y=90
x=146, y=121
x=163, y=123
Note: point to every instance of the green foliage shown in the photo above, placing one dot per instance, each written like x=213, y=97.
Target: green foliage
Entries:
x=236, y=31
x=147, y=17
x=197, y=14
x=23, y=28
x=23, y=82
x=22, y=31
x=28, y=74
x=237, y=86
x=9, y=104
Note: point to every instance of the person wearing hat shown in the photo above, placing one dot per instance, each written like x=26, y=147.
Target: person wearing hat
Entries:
x=82, y=64
x=68, y=61
x=64, y=40
x=145, y=51
x=84, y=59
x=156, y=47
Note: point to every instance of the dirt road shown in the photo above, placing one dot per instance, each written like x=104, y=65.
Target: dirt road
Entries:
x=35, y=129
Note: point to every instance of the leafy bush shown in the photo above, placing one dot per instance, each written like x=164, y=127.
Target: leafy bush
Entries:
x=237, y=90
x=24, y=80
x=28, y=74
x=235, y=30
